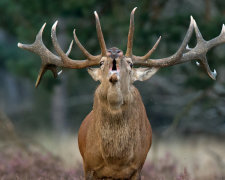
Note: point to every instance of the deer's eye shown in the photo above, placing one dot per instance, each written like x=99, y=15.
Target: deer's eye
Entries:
x=101, y=63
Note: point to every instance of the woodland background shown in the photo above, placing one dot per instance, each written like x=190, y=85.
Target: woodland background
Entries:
x=185, y=107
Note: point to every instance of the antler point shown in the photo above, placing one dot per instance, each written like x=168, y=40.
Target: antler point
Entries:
x=197, y=63
x=55, y=24
x=74, y=32
x=192, y=19
x=187, y=47
x=43, y=26
x=96, y=14
x=59, y=72
x=214, y=72
x=133, y=11
x=223, y=28
x=42, y=29
x=19, y=45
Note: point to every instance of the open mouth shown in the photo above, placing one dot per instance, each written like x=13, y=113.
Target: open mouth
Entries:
x=114, y=72
x=114, y=68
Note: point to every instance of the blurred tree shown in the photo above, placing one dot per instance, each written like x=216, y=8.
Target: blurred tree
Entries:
x=21, y=20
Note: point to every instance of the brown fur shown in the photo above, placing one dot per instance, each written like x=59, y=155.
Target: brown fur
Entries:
x=115, y=137
x=114, y=142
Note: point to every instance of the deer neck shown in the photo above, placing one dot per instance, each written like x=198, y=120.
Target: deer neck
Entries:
x=114, y=122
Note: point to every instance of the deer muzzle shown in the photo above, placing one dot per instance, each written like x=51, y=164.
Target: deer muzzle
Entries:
x=114, y=78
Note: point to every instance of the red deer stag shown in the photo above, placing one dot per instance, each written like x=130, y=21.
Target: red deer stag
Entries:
x=115, y=137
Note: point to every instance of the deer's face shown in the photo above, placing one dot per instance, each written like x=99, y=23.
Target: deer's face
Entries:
x=116, y=69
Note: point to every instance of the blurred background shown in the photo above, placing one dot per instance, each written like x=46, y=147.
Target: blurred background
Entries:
x=185, y=107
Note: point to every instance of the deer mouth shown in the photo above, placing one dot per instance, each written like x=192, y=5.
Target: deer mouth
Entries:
x=114, y=72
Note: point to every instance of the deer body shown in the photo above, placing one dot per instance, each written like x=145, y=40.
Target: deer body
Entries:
x=115, y=137
x=114, y=141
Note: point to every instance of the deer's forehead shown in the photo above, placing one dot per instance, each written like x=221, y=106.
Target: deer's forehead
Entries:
x=114, y=52
x=110, y=58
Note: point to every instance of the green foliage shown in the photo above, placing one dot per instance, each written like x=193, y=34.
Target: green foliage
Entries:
x=199, y=82
x=23, y=19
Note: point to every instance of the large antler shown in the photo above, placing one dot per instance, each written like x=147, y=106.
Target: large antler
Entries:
x=129, y=52
x=184, y=53
x=50, y=61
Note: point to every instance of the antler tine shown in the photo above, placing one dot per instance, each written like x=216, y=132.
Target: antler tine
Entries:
x=70, y=48
x=146, y=56
x=198, y=33
x=205, y=65
x=40, y=75
x=68, y=62
x=56, y=44
x=129, y=52
x=100, y=35
x=84, y=51
x=217, y=40
x=42, y=71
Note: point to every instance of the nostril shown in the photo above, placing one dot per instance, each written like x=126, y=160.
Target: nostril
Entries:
x=113, y=79
x=114, y=65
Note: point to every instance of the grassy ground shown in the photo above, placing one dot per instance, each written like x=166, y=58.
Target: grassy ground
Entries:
x=202, y=156
x=51, y=156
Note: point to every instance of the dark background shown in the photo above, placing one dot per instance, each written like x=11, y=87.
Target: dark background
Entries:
x=182, y=96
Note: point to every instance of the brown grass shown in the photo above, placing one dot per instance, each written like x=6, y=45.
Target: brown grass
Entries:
x=193, y=158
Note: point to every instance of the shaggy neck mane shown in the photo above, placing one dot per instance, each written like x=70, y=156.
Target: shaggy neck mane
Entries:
x=117, y=127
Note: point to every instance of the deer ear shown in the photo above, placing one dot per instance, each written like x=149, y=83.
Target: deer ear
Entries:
x=95, y=73
x=142, y=74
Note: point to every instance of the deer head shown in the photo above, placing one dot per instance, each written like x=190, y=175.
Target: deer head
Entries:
x=116, y=68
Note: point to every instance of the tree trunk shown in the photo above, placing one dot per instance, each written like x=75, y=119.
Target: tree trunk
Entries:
x=58, y=109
